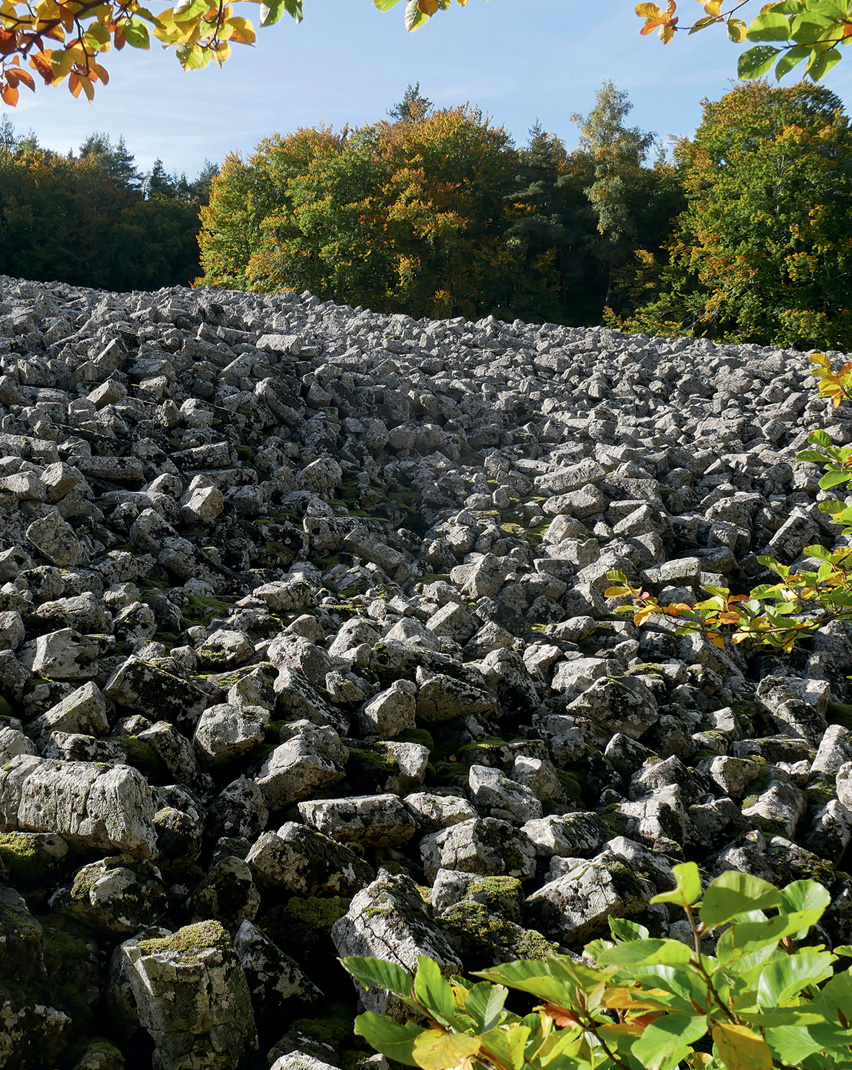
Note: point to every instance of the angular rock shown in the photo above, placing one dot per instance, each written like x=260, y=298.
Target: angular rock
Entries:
x=370, y=820
x=574, y=908
x=313, y=757
x=191, y=996
x=84, y=710
x=91, y=806
x=484, y=845
x=388, y=919
x=302, y=861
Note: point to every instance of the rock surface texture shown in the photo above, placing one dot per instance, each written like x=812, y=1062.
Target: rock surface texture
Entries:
x=305, y=651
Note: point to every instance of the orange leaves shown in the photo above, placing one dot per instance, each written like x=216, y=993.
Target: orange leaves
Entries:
x=834, y=385
x=665, y=22
x=562, y=1017
x=242, y=31
x=42, y=63
x=76, y=83
x=15, y=76
x=8, y=42
x=201, y=30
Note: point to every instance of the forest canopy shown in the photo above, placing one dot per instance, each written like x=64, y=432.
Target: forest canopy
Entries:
x=440, y=215
x=741, y=235
x=92, y=218
x=763, y=250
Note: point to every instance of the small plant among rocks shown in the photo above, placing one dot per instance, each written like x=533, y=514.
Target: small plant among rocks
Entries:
x=761, y=1000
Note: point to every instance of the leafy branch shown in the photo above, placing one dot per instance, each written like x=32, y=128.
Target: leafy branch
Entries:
x=790, y=32
x=761, y=1002
x=199, y=30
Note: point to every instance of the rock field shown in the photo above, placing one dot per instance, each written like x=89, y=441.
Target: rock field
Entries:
x=304, y=652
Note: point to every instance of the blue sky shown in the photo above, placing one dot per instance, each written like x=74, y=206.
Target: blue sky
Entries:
x=520, y=60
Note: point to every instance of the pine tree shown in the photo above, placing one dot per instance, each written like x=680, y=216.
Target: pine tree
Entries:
x=159, y=183
x=115, y=160
x=413, y=108
x=555, y=220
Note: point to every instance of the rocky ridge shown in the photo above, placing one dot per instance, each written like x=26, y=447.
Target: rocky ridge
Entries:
x=304, y=652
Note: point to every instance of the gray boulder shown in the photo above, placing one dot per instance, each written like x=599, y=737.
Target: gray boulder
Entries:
x=302, y=861
x=91, y=806
x=389, y=920
x=191, y=995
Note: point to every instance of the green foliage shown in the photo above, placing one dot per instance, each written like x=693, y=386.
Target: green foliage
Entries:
x=801, y=31
x=809, y=32
x=762, y=249
x=435, y=214
x=82, y=32
x=802, y=601
x=617, y=153
x=761, y=1000
x=92, y=219
x=623, y=194
x=549, y=235
x=412, y=108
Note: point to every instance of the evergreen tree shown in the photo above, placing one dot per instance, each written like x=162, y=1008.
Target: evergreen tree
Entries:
x=158, y=183
x=202, y=185
x=116, y=161
x=552, y=229
x=413, y=108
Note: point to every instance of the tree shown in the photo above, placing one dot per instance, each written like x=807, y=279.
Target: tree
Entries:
x=405, y=216
x=66, y=42
x=114, y=160
x=158, y=182
x=8, y=138
x=80, y=220
x=616, y=153
x=246, y=193
x=551, y=235
x=763, y=251
x=412, y=108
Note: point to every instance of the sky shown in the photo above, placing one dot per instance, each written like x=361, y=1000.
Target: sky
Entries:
x=347, y=63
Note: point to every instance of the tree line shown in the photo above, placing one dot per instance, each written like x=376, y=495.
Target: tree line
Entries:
x=743, y=235
x=436, y=213
x=92, y=218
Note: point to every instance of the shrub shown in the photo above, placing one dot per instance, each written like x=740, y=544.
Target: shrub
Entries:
x=760, y=1000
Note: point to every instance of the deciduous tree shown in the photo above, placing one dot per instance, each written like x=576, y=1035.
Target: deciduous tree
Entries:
x=399, y=216
x=84, y=219
x=763, y=251
x=616, y=156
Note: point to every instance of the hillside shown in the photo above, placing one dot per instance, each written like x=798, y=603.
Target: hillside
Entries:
x=304, y=652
